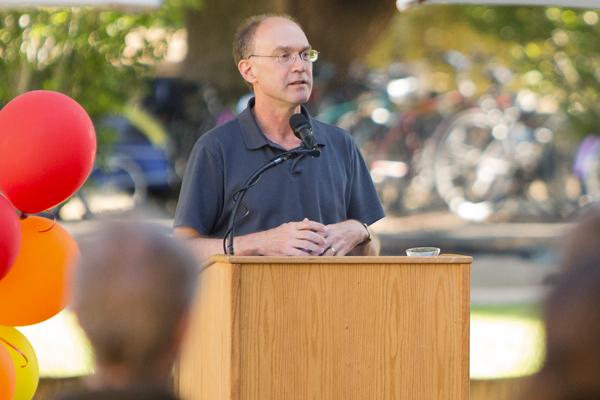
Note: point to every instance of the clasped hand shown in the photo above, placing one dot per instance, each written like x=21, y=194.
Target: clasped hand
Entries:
x=310, y=238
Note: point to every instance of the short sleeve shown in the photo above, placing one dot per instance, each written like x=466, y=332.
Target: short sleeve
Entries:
x=201, y=198
x=363, y=203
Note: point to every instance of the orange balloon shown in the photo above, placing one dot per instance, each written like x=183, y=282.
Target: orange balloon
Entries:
x=7, y=375
x=36, y=287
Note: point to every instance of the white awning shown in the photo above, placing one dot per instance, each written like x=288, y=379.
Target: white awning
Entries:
x=591, y=4
x=135, y=4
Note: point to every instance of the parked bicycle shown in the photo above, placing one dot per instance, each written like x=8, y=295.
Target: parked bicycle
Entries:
x=491, y=156
x=500, y=160
x=499, y=163
x=393, y=123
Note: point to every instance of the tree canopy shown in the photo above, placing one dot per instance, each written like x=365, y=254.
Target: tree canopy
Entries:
x=101, y=58
x=553, y=51
x=98, y=57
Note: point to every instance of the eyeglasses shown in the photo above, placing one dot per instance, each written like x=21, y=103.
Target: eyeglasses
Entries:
x=308, y=55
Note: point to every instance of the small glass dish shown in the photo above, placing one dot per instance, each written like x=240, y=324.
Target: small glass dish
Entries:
x=423, y=251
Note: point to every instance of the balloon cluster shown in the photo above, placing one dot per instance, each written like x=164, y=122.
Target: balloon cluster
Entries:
x=47, y=150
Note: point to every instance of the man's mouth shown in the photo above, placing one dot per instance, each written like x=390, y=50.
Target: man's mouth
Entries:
x=299, y=82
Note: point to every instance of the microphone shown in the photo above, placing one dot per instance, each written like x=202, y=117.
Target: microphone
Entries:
x=303, y=131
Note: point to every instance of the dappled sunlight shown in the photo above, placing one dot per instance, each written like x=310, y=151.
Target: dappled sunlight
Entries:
x=61, y=347
x=505, y=347
x=501, y=347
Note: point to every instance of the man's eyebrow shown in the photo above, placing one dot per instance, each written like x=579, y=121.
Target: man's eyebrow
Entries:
x=288, y=48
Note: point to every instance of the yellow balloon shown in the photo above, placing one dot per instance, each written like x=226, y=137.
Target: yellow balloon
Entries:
x=24, y=360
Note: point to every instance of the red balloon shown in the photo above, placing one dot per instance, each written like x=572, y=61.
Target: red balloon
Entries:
x=47, y=149
x=10, y=236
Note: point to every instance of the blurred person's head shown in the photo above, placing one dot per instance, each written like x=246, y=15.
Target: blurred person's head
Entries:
x=132, y=292
x=571, y=370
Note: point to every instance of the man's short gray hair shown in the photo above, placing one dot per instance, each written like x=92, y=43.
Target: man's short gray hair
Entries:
x=243, y=40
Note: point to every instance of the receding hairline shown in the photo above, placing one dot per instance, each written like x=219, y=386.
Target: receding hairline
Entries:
x=284, y=18
x=287, y=19
x=245, y=35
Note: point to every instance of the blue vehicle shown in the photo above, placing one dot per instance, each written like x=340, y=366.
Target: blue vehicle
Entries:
x=148, y=155
x=137, y=162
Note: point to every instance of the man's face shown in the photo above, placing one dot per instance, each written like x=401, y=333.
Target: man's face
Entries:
x=288, y=84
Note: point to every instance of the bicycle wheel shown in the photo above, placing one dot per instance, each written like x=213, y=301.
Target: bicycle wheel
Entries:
x=473, y=171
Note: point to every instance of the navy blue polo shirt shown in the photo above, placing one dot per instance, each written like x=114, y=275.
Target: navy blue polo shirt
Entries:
x=332, y=188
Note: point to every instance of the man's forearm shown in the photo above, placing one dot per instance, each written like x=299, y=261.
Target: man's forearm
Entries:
x=204, y=247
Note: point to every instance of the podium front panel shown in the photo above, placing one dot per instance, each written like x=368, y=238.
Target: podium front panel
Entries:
x=330, y=328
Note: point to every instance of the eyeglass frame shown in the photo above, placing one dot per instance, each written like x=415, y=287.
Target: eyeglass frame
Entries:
x=293, y=56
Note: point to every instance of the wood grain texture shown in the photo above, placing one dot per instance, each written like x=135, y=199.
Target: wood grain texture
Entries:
x=392, y=328
x=208, y=365
x=242, y=260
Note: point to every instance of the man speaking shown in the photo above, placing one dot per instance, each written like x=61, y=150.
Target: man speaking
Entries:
x=311, y=205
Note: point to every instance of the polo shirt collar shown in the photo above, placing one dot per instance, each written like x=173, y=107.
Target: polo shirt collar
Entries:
x=254, y=138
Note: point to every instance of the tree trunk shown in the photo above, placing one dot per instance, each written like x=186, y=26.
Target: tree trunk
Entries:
x=343, y=30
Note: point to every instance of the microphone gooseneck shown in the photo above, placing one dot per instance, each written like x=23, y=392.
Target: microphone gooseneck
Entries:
x=303, y=131
x=239, y=194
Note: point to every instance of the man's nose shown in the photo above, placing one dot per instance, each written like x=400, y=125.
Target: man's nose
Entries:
x=298, y=63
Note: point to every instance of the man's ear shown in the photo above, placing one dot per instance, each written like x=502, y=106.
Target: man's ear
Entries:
x=247, y=71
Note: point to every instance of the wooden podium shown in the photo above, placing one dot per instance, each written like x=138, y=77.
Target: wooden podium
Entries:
x=327, y=328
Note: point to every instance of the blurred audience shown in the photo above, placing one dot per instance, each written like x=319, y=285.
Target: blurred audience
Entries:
x=581, y=245
x=571, y=369
x=132, y=294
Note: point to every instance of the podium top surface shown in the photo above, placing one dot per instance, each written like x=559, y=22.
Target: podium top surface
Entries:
x=441, y=259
